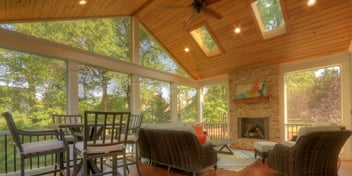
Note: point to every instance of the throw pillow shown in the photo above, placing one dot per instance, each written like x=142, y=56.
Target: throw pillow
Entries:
x=202, y=138
x=198, y=129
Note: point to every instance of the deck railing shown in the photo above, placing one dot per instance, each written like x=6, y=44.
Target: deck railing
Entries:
x=292, y=129
x=217, y=130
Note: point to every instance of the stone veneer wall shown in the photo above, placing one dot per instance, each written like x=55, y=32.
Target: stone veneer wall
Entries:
x=270, y=75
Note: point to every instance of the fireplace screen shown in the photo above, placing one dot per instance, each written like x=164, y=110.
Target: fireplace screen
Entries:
x=257, y=128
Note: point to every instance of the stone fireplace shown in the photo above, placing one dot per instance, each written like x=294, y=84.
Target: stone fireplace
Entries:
x=264, y=113
x=255, y=128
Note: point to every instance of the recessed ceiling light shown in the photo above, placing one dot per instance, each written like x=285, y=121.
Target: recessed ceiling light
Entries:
x=237, y=30
x=186, y=50
x=82, y=2
x=311, y=2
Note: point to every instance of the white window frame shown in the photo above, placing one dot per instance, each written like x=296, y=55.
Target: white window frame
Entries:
x=342, y=59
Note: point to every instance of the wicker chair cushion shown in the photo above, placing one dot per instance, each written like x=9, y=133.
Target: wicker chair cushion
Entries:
x=306, y=130
x=100, y=149
x=264, y=146
x=171, y=126
x=289, y=143
x=47, y=145
x=130, y=138
x=69, y=138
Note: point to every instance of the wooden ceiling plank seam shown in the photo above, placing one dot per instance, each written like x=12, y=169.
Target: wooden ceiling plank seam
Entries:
x=100, y=8
x=47, y=8
x=3, y=12
x=142, y=7
x=333, y=12
x=303, y=9
x=305, y=37
x=306, y=48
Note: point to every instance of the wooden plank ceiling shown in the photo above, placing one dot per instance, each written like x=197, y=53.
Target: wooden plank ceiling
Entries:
x=323, y=29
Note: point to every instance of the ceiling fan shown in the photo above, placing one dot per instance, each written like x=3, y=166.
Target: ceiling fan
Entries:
x=201, y=6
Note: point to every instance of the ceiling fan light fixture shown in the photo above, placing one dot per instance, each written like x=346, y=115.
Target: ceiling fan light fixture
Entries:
x=82, y=2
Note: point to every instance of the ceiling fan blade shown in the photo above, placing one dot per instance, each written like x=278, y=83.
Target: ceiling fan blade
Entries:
x=209, y=2
x=212, y=13
x=189, y=20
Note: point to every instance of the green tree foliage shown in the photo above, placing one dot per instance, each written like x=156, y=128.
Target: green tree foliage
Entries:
x=207, y=38
x=153, y=55
x=32, y=85
x=271, y=14
x=155, y=100
x=314, y=95
x=104, y=90
x=187, y=104
x=36, y=86
x=215, y=104
x=106, y=36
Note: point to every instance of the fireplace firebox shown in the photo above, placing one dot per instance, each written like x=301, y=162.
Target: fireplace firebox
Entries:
x=256, y=128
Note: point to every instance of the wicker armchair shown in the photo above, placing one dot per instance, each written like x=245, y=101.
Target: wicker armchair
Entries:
x=313, y=154
x=176, y=148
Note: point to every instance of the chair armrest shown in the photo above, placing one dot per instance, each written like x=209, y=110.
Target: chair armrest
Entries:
x=51, y=132
x=39, y=132
x=208, y=154
x=278, y=158
x=205, y=149
x=206, y=146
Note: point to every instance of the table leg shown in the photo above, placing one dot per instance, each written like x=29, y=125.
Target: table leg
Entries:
x=229, y=151
x=92, y=167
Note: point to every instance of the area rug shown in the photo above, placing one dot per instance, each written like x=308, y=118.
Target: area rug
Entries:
x=236, y=162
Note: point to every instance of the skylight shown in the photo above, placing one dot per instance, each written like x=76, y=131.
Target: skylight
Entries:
x=269, y=16
x=205, y=41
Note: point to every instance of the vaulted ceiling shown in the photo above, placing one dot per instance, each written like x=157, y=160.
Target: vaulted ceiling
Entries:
x=323, y=29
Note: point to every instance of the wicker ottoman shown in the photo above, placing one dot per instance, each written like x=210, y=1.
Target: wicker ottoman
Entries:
x=261, y=148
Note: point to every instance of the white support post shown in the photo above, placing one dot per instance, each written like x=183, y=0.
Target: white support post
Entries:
x=173, y=103
x=200, y=95
x=135, y=103
x=72, y=88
